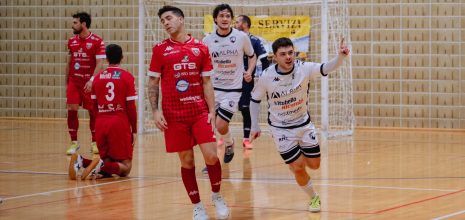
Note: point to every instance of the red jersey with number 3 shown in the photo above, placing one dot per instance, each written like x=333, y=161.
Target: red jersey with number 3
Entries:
x=84, y=53
x=112, y=88
x=181, y=67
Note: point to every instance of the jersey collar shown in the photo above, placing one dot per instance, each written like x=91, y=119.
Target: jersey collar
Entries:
x=224, y=35
x=186, y=42
x=285, y=73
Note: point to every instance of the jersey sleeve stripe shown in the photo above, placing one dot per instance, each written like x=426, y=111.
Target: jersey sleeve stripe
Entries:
x=256, y=101
x=129, y=98
x=101, y=56
x=262, y=56
x=209, y=73
x=321, y=70
x=93, y=97
x=154, y=74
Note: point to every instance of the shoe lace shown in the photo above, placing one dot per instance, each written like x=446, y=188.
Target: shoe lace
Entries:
x=315, y=201
x=229, y=150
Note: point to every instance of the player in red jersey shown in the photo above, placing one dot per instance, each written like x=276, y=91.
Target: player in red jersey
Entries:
x=181, y=65
x=86, y=57
x=114, y=95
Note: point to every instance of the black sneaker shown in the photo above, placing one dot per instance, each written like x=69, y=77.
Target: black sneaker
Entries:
x=228, y=153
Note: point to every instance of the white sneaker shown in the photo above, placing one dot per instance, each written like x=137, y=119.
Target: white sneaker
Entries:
x=222, y=211
x=75, y=165
x=199, y=212
x=73, y=147
x=93, y=169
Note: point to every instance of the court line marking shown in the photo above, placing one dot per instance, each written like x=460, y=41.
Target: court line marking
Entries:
x=97, y=194
x=449, y=215
x=66, y=189
x=289, y=181
x=419, y=201
x=32, y=172
x=275, y=208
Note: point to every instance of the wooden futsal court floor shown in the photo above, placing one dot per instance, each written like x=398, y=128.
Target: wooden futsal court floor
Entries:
x=375, y=174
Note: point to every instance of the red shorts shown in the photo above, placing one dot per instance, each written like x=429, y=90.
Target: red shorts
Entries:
x=181, y=136
x=114, y=137
x=75, y=94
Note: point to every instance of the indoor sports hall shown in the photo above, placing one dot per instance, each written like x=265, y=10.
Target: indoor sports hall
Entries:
x=390, y=121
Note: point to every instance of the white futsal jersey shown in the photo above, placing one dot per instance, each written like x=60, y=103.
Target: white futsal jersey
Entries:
x=227, y=54
x=287, y=93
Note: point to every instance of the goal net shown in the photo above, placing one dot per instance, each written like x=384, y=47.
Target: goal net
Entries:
x=340, y=115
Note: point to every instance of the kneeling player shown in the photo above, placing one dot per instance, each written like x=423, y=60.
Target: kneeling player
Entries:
x=114, y=98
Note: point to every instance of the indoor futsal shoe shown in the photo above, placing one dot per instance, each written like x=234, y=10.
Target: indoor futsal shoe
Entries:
x=93, y=148
x=315, y=204
x=199, y=212
x=222, y=211
x=75, y=165
x=229, y=153
x=73, y=148
x=93, y=169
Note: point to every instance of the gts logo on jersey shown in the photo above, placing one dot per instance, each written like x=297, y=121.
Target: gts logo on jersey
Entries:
x=184, y=66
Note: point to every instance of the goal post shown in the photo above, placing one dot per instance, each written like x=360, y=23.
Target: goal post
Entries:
x=331, y=111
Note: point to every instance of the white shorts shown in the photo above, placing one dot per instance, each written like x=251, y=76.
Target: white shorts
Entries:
x=226, y=104
x=291, y=143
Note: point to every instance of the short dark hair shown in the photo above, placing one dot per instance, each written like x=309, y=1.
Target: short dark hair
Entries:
x=83, y=17
x=166, y=8
x=222, y=7
x=281, y=42
x=114, y=53
x=246, y=19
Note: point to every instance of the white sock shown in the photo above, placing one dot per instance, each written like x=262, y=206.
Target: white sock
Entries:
x=227, y=139
x=199, y=204
x=309, y=189
x=217, y=135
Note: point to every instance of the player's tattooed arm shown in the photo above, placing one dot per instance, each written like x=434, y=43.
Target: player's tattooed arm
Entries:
x=154, y=95
x=154, y=92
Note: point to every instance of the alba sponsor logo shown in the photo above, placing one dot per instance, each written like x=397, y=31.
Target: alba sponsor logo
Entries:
x=184, y=66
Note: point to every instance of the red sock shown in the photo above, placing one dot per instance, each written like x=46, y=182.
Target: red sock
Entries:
x=85, y=162
x=73, y=124
x=190, y=183
x=214, y=172
x=92, y=124
x=110, y=168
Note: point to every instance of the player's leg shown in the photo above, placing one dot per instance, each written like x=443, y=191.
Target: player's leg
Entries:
x=244, y=103
x=190, y=183
x=228, y=105
x=114, y=140
x=304, y=181
x=76, y=163
x=73, y=100
x=87, y=104
x=179, y=139
x=247, y=123
x=287, y=142
x=203, y=135
x=311, y=154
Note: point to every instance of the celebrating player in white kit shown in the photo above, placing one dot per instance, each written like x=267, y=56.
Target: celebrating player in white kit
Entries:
x=286, y=86
x=227, y=47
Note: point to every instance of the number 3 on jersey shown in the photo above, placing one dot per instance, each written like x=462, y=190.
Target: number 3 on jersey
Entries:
x=111, y=91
